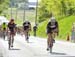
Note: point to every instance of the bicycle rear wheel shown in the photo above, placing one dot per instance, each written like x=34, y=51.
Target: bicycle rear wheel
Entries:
x=51, y=46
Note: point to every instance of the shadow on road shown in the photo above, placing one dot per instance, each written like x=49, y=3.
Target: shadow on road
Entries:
x=56, y=53
x=31, y=42
x=14, y=49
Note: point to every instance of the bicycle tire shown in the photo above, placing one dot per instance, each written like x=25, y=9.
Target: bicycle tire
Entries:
x=50, y=49
x=51, y=46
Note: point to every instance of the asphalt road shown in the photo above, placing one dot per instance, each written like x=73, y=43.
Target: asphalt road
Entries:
x=36, y=48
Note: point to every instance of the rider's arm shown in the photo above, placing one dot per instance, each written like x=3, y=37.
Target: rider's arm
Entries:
x=47, y=28
x=48, y=25
x=15, y=28
x=7, y=28
x=30, y=26
x=57, y=28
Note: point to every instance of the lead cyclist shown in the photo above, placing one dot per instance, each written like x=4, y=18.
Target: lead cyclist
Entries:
x=52, y=31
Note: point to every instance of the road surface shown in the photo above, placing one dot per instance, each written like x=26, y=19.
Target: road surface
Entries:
x=36, y=48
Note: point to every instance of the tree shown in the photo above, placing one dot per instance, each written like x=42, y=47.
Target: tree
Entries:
x=60, y=8
x=3, y=5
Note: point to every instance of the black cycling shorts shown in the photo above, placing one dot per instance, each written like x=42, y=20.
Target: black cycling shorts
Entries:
x=12, y=33
x=51, y=31
x=26, y=27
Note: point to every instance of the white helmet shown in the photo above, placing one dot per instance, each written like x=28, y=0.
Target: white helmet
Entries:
x=53, y=19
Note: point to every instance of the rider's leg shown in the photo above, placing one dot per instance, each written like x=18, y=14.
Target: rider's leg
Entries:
x=9, y=39
x=48, y=41
x=25, y=33
x=53, y=37
x=12, y=37
x=3, y=34
x=54, y=34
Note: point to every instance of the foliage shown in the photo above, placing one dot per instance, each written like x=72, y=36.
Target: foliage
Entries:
x=57, y=7
x=3, y=5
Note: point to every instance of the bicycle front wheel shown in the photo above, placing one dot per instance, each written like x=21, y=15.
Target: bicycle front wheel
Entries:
x=50, y=49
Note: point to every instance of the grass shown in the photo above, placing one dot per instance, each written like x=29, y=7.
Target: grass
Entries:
x=65, y=26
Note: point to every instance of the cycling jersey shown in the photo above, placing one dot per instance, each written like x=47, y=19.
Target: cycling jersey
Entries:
x=51, y=26
x=11, y=26
x=35, y=28
x=4, y=26
x=26, y=25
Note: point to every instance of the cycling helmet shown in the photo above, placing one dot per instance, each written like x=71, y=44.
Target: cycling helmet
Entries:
x=53, y=19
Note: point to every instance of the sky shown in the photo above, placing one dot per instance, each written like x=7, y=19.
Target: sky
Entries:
x=32, y=0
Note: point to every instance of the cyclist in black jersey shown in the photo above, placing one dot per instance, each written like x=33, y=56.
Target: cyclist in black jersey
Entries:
x=26, y=28
x=12, y=31
x=52, y=30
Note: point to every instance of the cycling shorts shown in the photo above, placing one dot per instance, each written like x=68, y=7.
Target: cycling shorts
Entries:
x=51, y=31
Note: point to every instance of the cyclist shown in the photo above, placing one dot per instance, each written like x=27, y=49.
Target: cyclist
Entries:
x=4, y=28
x=12, y=31
x=52, y=30
x=26, y=28
x=34, y=29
